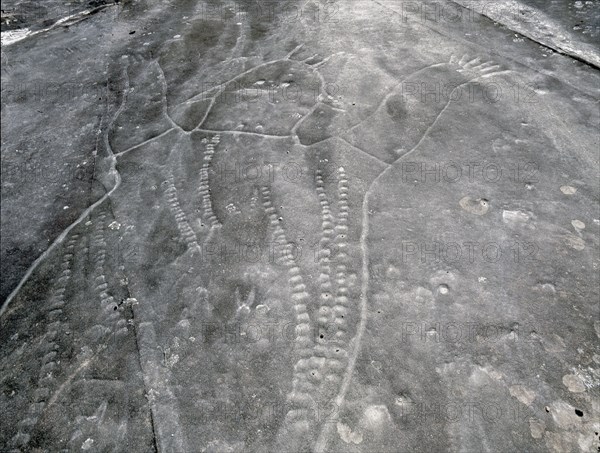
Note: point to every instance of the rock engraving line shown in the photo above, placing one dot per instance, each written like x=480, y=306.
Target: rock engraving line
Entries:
x=183, y=225
x=49, y=347
x=111, y=173
x=300, y=397
x=208, y=214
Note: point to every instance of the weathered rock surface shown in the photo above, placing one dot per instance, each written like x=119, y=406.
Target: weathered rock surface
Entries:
x=301, y=226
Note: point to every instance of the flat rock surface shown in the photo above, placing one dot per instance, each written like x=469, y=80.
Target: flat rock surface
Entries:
x=299, y=226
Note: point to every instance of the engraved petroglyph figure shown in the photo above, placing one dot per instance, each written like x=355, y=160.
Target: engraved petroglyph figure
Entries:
x=169, y=170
